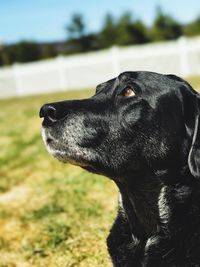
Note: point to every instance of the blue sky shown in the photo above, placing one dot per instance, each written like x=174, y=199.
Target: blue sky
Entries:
x=45, y=20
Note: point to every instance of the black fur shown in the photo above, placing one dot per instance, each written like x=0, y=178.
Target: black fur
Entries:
x=149, y=144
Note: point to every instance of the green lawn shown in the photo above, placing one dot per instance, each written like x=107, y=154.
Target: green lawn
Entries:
x=195, y=82
x=51, y=214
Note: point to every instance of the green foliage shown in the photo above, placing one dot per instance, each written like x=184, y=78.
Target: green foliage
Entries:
x=125, y=31
x=48, y=51
x=193, y=28
x=78, y=40
x=76, y=28
x=130, y=31
x=83, y=44
x=165, y=27
x=109, y=34
x=139, y=33
x=24, y=52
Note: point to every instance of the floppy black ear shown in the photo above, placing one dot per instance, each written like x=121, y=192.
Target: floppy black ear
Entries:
x=194, y=154
x=191, y=110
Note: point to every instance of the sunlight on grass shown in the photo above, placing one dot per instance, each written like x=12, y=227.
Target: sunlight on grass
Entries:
x=195, y=82
x=51, y=214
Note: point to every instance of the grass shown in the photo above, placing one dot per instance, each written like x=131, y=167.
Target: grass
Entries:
x=195, y=82
x=51, y=214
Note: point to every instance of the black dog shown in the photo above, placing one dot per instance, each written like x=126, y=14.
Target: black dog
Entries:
x=142, y=130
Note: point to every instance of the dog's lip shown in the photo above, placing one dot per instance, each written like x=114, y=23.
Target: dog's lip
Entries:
x=52, y=143
x=48, y=139
x=53, y=146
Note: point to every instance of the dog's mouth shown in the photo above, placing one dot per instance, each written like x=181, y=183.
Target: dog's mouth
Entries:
x=53, y=146
x=49, y=140
x=62, y=152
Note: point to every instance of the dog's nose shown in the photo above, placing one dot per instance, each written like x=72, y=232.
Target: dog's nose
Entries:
x=48, y=112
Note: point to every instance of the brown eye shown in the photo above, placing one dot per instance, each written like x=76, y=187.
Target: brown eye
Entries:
x=128, y=92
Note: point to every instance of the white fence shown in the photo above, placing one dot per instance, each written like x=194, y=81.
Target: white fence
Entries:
x=181, y=57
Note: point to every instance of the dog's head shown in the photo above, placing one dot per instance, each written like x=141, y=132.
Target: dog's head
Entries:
x=138, y=120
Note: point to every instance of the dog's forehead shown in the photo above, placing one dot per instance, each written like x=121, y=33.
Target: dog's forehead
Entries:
x=143, y=77
x=149, y=82
x=120, y=80
x=107, y=86
x=152, y=83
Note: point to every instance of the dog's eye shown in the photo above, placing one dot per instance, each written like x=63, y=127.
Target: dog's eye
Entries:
x=128, y=92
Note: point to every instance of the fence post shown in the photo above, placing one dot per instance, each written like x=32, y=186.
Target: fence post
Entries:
x=18, y=80
x=63, y=84
x=184, y=64
x=115, y=60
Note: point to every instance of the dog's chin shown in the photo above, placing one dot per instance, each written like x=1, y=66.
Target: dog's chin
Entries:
x=58, y=154
x=64, y=157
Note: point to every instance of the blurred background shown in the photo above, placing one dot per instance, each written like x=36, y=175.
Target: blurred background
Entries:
x=53, y=214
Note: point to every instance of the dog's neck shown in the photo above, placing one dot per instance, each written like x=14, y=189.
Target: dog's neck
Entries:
x=140, y=194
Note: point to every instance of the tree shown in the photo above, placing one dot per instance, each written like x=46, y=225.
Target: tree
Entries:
x=138, y=32
x=77, y=37
x=108, y=35
x=48, y=51
x=165, y=27
x=193, y=28
x=125, y=31
x=23, y=51
x=76, y=28
x=4, y=59
x=124, y=25
x=131, y=31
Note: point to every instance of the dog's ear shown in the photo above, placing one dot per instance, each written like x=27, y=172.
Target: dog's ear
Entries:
x=194, y=154
x=191, y=111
